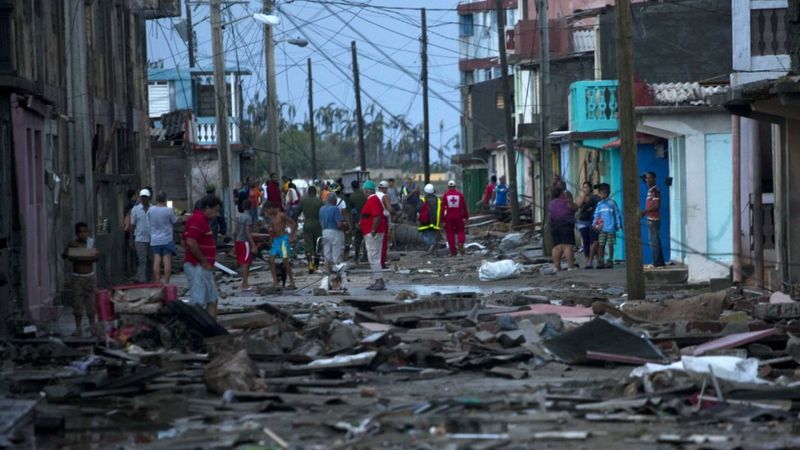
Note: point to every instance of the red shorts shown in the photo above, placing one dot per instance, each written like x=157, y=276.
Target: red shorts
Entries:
x=244, y=254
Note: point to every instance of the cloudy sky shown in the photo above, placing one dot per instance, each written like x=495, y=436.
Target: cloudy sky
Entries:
x=387, y=34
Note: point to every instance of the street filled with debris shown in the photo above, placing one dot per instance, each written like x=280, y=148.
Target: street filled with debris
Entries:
x=492, y=349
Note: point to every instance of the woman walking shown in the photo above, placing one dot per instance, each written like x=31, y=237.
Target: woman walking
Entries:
x=562, y=227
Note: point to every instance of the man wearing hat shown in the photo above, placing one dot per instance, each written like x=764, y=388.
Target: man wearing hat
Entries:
x=140, y=221
x=456, y=217
x=374, y=227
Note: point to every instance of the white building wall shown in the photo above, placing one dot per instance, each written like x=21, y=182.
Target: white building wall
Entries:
x=690, y=168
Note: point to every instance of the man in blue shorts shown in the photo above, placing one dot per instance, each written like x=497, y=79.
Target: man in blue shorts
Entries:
x=283, y=230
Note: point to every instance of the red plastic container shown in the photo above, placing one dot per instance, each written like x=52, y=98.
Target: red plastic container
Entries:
x=170, y=293
x=105, y=309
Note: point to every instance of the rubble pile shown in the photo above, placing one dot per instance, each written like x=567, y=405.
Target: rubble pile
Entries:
x=463, y=370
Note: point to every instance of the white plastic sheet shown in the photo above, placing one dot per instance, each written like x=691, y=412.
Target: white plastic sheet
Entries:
x=728, y=368
x=498, y=270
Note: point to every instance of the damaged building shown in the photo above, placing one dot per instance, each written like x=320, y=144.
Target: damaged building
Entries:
x=73, y=137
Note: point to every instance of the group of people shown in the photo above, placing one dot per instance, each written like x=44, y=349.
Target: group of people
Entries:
x=495, y=196
x=598, y=219
x=331, y=221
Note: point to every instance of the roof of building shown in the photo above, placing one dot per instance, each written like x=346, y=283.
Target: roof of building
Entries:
x=685, y=94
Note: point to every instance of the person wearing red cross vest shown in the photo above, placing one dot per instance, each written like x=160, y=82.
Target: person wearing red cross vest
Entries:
x=456, y=217
x=430, y=218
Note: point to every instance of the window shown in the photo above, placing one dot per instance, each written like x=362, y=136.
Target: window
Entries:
x=158, y=97
x=487, y=74
x=468, y=77
x=207, y=102
x=467, y=25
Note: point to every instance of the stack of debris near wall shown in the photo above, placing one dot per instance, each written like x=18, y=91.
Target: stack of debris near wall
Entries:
x=441, y=371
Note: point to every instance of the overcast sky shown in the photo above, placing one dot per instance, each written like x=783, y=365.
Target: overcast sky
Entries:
x=394, y=31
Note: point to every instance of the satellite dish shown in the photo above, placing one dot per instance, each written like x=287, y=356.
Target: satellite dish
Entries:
x=267, y=19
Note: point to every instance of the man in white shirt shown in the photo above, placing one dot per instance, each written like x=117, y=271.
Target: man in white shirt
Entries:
x=140, y=221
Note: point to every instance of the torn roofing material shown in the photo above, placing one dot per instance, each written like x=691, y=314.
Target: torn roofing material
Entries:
x=605, y=336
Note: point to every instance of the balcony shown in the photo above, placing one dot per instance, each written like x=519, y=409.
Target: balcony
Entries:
x=593, y=106
x=761, y=40
x=522, y=42
x=205, y=131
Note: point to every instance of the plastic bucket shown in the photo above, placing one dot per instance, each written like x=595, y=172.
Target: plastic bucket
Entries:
x=105, y=309
x=170, y=293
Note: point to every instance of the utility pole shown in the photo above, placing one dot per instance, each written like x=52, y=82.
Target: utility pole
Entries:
x=426, y=126
x=273, y=127
x=544, y=120
x=312, y=131
x=362, y=154
x=511, y=154
x=190, y=34
x=627, y=135
x=223, y=146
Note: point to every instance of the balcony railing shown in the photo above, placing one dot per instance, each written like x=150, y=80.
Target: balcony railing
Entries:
x=593, y=106
x=206, y=131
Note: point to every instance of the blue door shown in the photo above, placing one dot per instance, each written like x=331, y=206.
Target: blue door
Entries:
x=651, y=160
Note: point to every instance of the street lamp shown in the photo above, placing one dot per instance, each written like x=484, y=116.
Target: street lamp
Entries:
x=267, y=19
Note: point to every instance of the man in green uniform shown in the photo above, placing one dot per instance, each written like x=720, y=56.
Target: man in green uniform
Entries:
x=355, y=203
x=312, y=230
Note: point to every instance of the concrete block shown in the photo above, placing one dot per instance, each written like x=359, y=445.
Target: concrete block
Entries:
x=772, y=312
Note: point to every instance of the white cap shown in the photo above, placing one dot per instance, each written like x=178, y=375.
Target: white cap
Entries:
x=144, y=193
x=429, y=189
x=383, y=184
x=451, y=183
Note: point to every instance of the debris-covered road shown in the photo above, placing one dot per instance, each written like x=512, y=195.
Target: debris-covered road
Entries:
x=441, y=360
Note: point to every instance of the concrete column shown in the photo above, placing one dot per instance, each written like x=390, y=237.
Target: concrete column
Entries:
x=791, y=237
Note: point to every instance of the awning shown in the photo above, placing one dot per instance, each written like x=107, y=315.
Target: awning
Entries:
x=641, y=138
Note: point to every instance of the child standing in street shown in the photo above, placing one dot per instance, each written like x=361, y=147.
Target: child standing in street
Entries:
x=607, y=221
x=82, y=254
x=245, y=244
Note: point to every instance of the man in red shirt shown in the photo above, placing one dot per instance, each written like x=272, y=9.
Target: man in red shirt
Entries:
x=274, y=191
x=201, y=253
x=456, y=217
x=488, y=193
x=374, y=227
x=652, y=212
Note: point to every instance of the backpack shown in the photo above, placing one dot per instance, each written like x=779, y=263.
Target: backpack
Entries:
x=425, y=214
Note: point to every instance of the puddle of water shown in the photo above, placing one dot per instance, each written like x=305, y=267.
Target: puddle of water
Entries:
x=423, y=290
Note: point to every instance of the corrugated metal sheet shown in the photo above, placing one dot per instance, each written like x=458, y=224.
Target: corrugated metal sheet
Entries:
x=158, y=97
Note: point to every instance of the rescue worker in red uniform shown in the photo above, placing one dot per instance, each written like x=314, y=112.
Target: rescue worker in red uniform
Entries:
x=456, y=217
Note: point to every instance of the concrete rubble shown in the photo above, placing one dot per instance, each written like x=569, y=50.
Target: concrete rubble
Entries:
x=438, y=361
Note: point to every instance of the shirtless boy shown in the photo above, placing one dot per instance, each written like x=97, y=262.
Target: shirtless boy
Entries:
x=281, y=248
x=83, y=277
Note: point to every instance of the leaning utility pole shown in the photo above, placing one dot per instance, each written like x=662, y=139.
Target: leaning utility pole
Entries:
x=426, y=127
x=223, y=146
x=312, y=131
x=511, y=154
x=362, y=154
x=273, y=127
x=627, y=135
x=544, y=119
